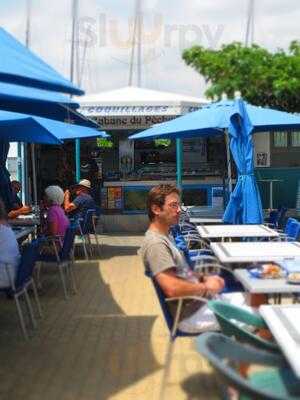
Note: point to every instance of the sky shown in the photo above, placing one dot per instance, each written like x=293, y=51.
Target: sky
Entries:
x=169, y=27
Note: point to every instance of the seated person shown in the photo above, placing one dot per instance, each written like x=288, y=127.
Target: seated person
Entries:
x=56, y=220
x=169, y=267
x=9, y=255
x=82, y=202
x=17, y=206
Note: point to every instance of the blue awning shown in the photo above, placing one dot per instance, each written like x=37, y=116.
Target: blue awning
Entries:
x=20, y=66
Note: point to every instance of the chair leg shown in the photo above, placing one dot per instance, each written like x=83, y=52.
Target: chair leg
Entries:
x=21, y=317
x=86, y=255
x=38, y=274
x=36, y=298
x=63, y=280
x=98, y=244
x=30, y=310
x=89, y=245
x=166, y=369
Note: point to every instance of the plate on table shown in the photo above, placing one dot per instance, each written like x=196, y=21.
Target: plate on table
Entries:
x=294, y=278
x=267, y=271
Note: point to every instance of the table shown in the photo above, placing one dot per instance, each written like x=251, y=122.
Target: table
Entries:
x=271, y=188
x=236, y=231
x=25, y=220
x=248, y=252
x=266, y=286
x=23, y=231
x=205, y=220
x=283, y=321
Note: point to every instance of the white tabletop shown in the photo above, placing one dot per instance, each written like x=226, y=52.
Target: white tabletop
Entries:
x=283, y=321
x=25, y=220
x=267, y=286
x=236, y=231
x=205, y=220
x=247, y=252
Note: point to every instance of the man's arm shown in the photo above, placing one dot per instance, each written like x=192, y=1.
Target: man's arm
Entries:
x=68, y=205
x=173, y=286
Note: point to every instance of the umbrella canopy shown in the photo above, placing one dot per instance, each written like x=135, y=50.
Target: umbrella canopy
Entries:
x=15, y=127
x=20, y=66
x=22, y=99
x=244, y=205
x=241, y=119
x=213, y=118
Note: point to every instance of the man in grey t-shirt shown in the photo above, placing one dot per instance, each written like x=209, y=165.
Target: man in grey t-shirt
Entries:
x=164, y=261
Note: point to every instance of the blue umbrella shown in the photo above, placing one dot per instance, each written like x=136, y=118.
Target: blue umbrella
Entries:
x=25, y=100
x=20, y=66
x=15, y=127
x=244, y=205
x=214, y=119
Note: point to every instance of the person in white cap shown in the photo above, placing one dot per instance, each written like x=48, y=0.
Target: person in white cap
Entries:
x=83, y=200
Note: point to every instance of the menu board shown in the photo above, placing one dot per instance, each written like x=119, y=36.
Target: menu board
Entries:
x=114, y=198
x=104, y=198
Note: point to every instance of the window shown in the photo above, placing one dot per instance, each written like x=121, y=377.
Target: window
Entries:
x=295, y=136
x=280, y=139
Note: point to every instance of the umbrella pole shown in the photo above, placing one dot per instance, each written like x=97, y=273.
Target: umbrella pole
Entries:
x=179, y=163
x=35, y=201
x=77, y=159
x=228, y=162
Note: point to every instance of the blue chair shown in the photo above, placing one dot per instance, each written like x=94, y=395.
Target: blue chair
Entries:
x=86, y=228
x=276, y=217
x=63, y=258
x=291, y=230
x=172, y=324
x=23, y=281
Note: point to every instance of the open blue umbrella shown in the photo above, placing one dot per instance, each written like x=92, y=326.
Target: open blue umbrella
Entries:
x=16, y=127
x=20, y=66
x=215, y=119
x=42, y=103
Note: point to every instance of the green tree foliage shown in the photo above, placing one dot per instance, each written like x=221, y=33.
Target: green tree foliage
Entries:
x=263, y=78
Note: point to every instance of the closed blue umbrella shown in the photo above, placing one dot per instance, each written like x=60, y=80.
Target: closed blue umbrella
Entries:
x=244, y=205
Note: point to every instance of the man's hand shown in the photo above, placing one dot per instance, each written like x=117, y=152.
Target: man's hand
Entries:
x=214, y=284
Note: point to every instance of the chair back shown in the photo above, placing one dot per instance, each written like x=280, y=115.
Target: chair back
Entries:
x=292, y=228
x=223, y=353
x=87, y=223
x=29, y=256
x=282, y=212
x=69, y=238
x=234, y=320
x=162, y=301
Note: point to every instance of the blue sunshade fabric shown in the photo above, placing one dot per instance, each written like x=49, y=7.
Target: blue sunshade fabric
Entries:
x=244, y=206
x=15, y=127
x=20, y=66
x=42, y=103
x=213, y=118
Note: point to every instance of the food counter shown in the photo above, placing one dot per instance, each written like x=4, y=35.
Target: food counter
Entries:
x=129, y=197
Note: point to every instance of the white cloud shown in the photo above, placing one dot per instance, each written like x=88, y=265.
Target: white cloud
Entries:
x=276, y=24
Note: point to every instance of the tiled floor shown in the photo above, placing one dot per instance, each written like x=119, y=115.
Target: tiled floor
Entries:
x=106, y=342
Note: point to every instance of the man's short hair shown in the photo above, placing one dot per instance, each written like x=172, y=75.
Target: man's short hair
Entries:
x=157, y=196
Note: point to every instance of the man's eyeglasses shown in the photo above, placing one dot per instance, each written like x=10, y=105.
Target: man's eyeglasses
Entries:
x=175, y=205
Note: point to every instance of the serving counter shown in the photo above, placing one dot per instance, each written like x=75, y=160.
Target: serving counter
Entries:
x=129, y=197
